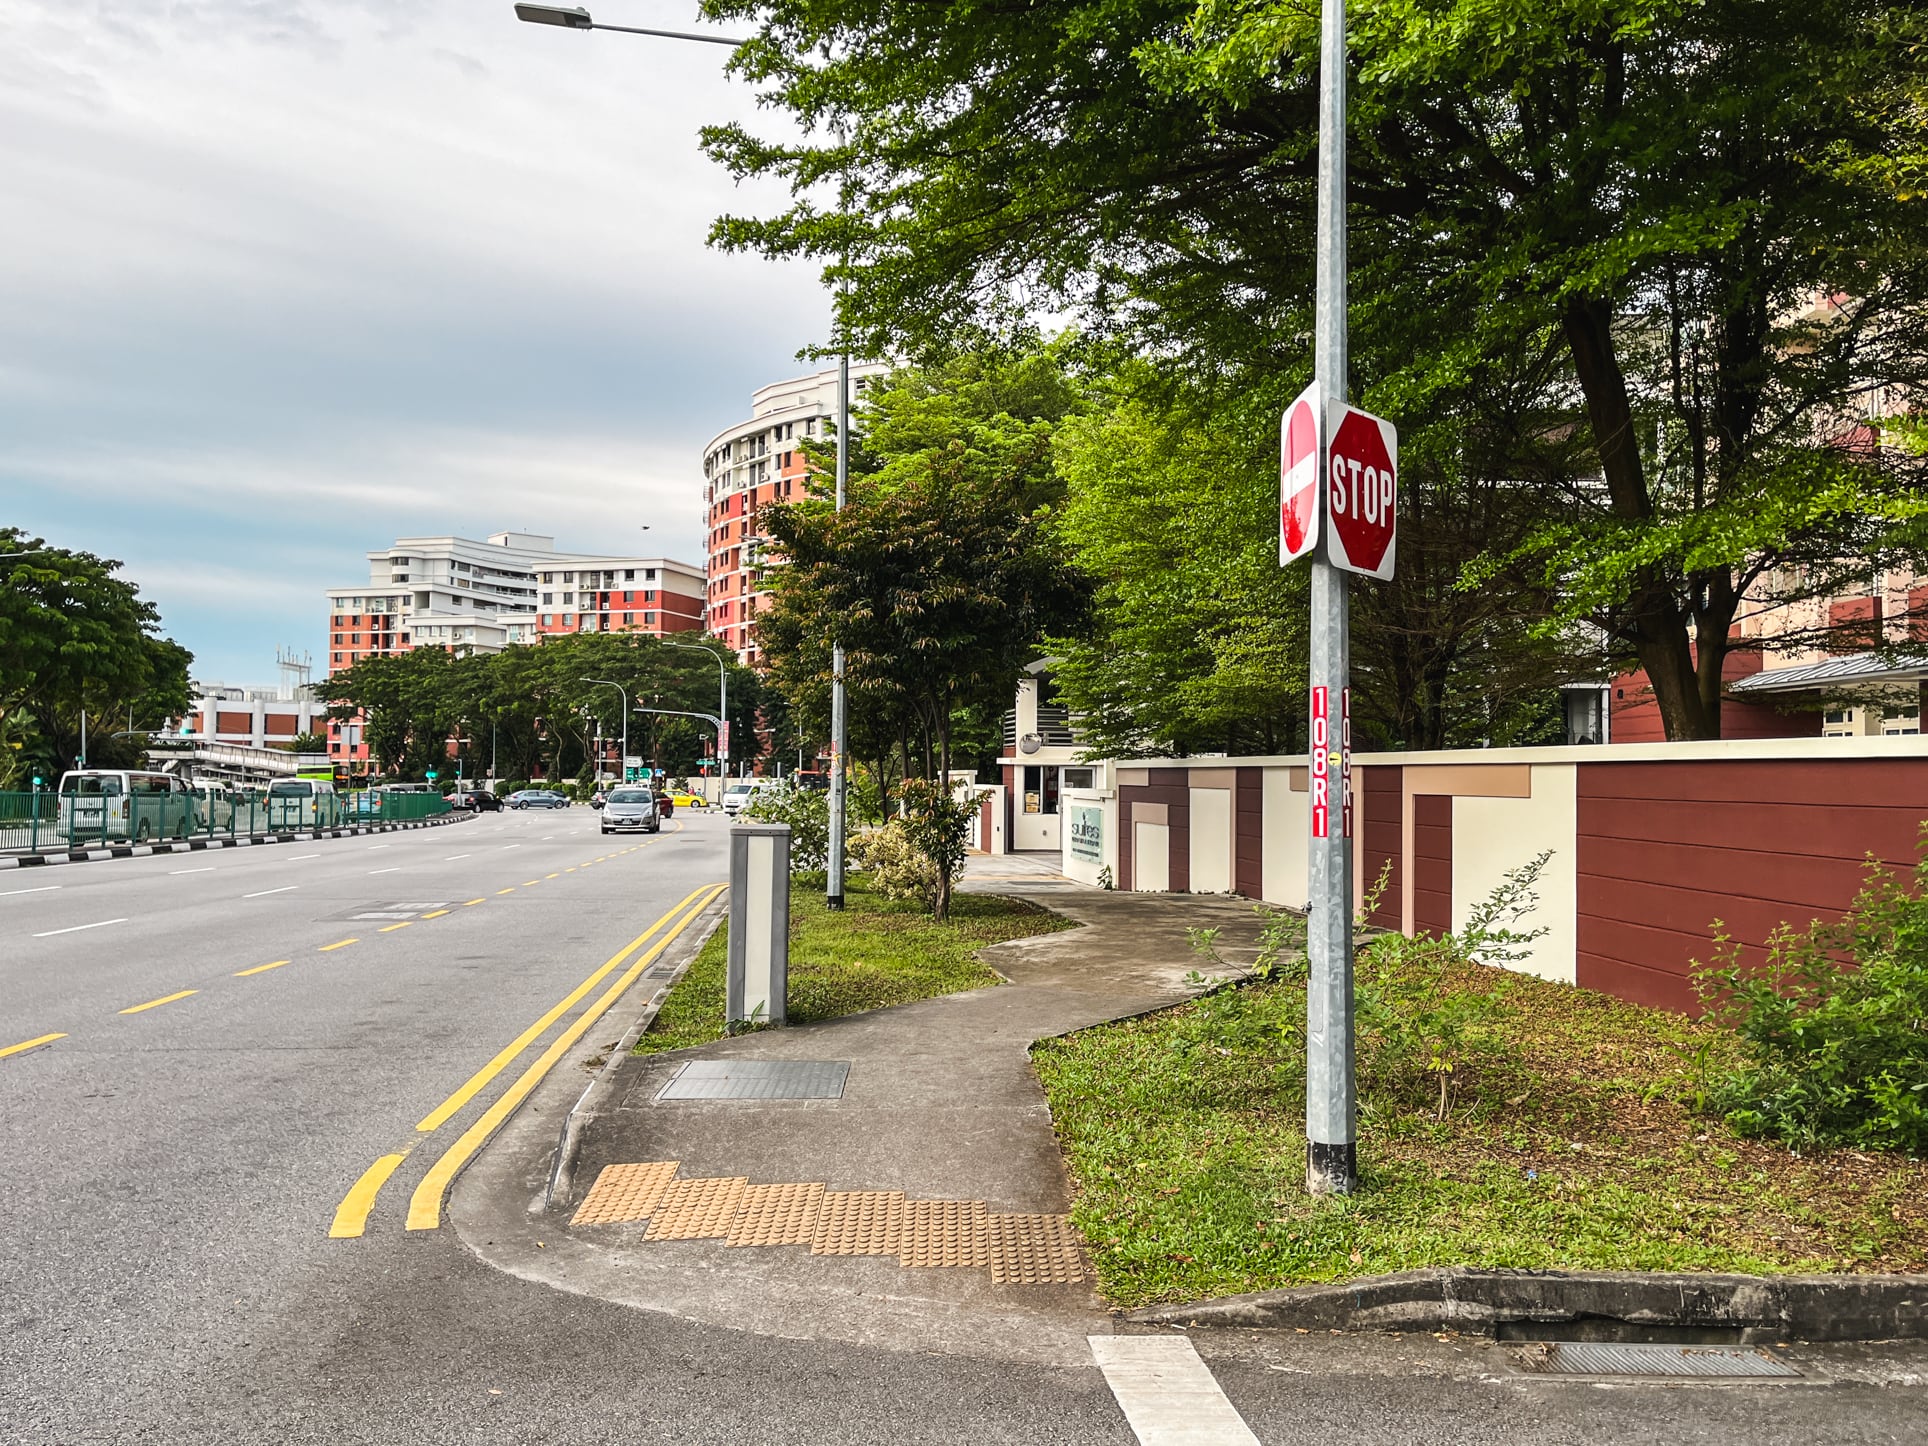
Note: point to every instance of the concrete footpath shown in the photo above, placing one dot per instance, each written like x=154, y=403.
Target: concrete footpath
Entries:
x=908, y=1192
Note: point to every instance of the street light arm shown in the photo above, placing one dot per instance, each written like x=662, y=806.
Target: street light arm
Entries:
x=571, y=17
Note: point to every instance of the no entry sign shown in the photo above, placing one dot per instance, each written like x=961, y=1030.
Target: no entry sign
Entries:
x=1362, y=495
x=1299, y=439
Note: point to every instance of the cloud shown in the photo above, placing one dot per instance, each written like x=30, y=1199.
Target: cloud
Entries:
x=287, y=280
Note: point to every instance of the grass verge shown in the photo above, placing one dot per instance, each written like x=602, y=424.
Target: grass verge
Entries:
x=1570, y=1140
x=876, y=952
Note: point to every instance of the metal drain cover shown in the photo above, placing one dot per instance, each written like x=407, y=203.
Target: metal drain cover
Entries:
x=1618, y=1358
x=758, y=1079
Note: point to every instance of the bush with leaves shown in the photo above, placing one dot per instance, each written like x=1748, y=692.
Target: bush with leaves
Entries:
x=937, y=820
x=807, y=811
x=1833, y=1026
x=896, y=868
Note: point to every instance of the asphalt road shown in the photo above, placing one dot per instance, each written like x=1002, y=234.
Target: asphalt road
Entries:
x=169, y=1179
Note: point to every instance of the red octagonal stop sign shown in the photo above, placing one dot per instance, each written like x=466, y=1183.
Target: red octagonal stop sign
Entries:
x=1362, y=491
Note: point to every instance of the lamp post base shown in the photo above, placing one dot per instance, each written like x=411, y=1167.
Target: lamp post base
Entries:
x=1331, y=1169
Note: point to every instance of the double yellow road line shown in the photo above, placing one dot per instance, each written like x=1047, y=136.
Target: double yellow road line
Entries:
x=425, y=1206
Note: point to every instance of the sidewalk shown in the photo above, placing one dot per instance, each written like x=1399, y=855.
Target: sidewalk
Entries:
x=921, y=1208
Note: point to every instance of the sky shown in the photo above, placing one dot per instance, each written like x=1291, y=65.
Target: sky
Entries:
x=283, y=280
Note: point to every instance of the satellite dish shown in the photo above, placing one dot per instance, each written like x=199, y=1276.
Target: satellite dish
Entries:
x=1030, y=743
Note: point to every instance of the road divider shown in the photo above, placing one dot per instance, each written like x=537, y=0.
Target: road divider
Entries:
x=425, y=1205
x=351, y=1216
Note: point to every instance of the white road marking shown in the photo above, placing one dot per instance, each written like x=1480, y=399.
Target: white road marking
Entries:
x=512, y=846
x=1167, y=1393
x=265, y=892
x=78, y=927
x=394, y=870
x=208, y=870
x=453, y=857
x=378, y=846
x=297, y=858
x=43, y=889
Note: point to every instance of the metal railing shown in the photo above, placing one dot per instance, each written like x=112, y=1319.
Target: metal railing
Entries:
x=48, y=820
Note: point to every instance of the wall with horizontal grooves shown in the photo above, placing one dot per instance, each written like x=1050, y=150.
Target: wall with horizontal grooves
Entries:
x=1665, y=849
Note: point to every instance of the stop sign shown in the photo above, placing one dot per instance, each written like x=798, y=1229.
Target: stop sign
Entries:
x=1362, y=492
x=1299, y=477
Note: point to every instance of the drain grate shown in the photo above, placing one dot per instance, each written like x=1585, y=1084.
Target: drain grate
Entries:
x=758, y=1079
x=1618, y=1358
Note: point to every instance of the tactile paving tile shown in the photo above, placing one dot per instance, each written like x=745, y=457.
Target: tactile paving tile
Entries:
x=625, y=1192
x=697, y=1209
x=777, y=1215
x=943, y=1233
x=1033, y=1250
x=858, y=1222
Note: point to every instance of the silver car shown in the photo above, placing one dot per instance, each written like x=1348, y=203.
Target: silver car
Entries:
x=631, y=807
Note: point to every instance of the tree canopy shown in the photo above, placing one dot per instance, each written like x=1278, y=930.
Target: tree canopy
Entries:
x=1697, y=226
x=75, y=637
x=533, y=707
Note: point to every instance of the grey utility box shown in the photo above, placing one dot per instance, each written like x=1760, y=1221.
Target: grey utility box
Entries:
x=759, y=977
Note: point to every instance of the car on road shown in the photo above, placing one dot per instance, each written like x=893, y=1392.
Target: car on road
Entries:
x=599, y=798
x=537, y=798
x=681, y=798
x=477, y=800
x=743, y=791
x=632, y=807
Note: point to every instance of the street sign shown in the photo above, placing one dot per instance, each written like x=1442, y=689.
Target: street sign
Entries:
x=1362, y=498
x=1299, y=448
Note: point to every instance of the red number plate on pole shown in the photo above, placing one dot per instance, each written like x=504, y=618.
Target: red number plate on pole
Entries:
x=1320, y=782
x=1362, y=492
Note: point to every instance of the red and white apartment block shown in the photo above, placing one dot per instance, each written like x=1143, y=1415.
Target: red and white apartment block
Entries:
x=483, y=596
x=756, y=462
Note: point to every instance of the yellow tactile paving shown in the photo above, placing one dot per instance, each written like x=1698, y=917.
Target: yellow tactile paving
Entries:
x=944, y=1233
x=859, y=1222
x=777, y=1215
x=930, y=1234
x=1033, y=1250
x=625, y=1192
x=697, y=1209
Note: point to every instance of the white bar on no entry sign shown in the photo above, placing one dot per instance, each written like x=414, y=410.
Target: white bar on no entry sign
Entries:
x=1167, y=1393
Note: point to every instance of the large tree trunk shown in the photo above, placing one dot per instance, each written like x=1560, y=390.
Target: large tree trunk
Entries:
x=1653, y=614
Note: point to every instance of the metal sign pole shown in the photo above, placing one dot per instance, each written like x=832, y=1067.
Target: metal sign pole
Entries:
x=839, y=730
x=1332, y=1164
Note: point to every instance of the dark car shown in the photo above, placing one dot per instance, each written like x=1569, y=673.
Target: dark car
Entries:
x=479, y=800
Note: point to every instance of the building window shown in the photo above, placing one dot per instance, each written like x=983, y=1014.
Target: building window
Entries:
x=649, y=620
x=337, y=657
x=629, y=620
x=548, y=620
x=629, y=574
x=548, y=597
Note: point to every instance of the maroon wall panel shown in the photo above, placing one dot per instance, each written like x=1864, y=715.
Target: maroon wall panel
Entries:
x=1433, y=863
x=1248, y=833
x=1666, y=849
x=1379, y=825
x=1171, y=787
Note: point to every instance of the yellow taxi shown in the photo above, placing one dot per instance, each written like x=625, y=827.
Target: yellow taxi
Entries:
x=687, y=800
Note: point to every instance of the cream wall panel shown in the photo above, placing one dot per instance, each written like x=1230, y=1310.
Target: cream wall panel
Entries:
x=1494, y=835
x=1211, y=857
x=1282, y=876
x=1151, y=858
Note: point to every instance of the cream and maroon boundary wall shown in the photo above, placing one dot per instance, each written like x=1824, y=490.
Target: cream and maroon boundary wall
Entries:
x=1650, y=843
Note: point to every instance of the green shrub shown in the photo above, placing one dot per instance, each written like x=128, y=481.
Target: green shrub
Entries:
x=807, y=811
x=1834, y=1026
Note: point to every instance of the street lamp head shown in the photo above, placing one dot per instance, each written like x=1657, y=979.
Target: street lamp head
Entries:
x=573, y=17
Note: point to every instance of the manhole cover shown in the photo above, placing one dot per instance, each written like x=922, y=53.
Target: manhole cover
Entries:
x=758, y=1079
x=1614, y=1358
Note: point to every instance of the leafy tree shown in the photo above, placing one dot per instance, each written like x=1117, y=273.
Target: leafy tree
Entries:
x=75, y=638
x=1652, y=195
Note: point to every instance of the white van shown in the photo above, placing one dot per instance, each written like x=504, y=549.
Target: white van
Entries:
x=302, y=802
x=98, y=804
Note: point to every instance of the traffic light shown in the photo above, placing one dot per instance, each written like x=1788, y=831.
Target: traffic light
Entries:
x=431, y=775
